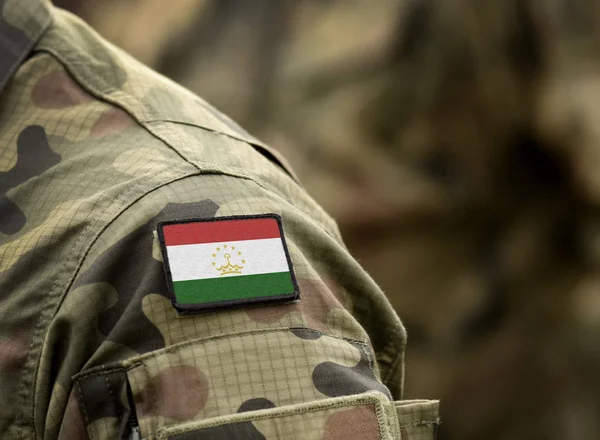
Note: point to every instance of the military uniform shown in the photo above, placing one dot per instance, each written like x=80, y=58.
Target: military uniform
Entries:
x=469, y=190
x=95, y=151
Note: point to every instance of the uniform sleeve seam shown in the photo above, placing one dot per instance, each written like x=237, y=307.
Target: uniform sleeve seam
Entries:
x=144, y=124
x=67, y=63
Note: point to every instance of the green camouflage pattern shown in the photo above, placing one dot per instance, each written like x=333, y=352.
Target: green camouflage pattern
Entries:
x=95, y=150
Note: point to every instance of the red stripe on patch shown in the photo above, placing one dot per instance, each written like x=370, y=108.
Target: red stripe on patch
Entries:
x=220, y=231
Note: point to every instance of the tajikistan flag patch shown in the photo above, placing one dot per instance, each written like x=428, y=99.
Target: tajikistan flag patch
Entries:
x=226, y=262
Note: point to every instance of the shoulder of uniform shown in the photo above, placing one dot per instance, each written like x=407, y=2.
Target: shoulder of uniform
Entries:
x=154, y=101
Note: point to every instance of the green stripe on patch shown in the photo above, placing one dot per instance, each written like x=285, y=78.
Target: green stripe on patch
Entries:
x=231, y=288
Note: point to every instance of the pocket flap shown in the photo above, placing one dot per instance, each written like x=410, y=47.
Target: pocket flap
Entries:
x=369, y=416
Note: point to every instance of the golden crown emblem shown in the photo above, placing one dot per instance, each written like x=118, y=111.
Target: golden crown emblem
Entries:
x=227, y=267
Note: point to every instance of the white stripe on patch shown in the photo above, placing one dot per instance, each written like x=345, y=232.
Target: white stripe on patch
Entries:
x=194, y=261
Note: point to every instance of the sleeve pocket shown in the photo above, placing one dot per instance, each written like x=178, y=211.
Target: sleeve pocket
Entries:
x=263, y=384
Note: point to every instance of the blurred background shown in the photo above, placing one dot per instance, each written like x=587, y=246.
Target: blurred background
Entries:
x=457, y=144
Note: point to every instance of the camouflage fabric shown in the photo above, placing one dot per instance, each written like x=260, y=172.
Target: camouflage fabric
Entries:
x=95, y=150
x=455, y=143
x=369, y=416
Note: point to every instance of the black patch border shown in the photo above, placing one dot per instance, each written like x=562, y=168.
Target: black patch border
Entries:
x=190, y=309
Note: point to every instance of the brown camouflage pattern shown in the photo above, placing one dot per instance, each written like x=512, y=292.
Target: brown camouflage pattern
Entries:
x=95, y=150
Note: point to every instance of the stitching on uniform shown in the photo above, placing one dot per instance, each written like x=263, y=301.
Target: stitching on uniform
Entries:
x=422, y=423
x=141, y=119
x=67, y=62
x=253, y=142
x=113, y=397
x=95, y=372
x=196, y=125
x=381, y=422
x=352, y=401
x=82, y=406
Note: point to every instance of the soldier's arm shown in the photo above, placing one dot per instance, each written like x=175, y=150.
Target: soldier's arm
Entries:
x=329, y=362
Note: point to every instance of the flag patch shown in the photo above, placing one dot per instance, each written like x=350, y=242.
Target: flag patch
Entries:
x=226, y=262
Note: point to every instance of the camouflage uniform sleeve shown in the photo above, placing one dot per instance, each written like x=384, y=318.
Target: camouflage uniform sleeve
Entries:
x=146, y=368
